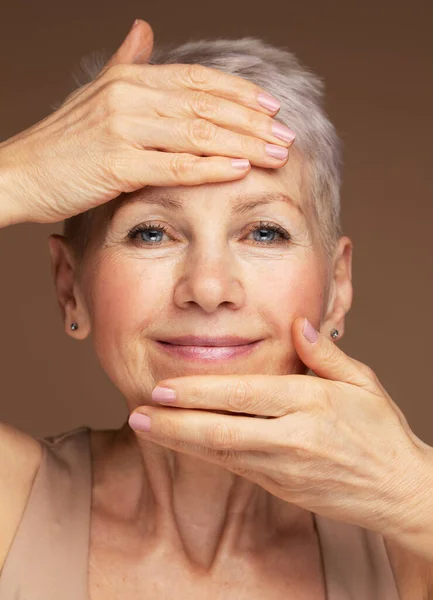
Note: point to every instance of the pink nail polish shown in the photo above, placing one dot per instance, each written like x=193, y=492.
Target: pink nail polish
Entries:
x=240, y=163
x=163, y=394
x=276, y=151
x=309, y=332
x=139, y=422
x=282, y=132
x=269, y=102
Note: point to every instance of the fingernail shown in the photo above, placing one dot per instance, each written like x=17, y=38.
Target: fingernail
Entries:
x=139, y=422
x=240, y=163
x=163, y=394
x=282, y=132
x=276, y=151
x=136, y=22
x=309, y=332
x=269, y=102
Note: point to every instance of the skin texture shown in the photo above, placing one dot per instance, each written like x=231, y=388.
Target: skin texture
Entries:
x=209, y=274
x=155, y=492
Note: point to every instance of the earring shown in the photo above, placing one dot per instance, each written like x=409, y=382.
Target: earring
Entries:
x=334, y=333
x=74, y=326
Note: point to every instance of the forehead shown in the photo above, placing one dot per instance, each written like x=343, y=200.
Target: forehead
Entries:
x=260, y=187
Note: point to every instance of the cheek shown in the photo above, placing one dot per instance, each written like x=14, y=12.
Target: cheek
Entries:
x=297, y=289
x=124, y=301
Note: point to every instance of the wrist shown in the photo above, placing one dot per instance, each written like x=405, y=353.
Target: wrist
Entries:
x=13, y=209
x=412, y=526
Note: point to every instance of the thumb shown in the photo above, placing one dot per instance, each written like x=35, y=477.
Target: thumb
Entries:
x=136, y=47
x=319, y=353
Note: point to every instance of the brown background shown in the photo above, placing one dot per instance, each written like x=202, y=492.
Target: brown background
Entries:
x=376, y=59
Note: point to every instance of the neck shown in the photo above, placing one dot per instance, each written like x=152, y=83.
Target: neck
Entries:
x=199, y=509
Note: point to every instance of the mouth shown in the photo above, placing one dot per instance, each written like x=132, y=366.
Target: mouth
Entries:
x=208, y=353
x=196, y=340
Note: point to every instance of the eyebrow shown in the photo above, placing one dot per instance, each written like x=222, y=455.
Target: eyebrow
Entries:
x=244, y=204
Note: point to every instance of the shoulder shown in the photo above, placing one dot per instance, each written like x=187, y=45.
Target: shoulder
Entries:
x=412, y=573
x=21, y=456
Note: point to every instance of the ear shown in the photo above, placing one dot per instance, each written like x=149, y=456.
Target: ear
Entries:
x=67, y=285
x=340, y=290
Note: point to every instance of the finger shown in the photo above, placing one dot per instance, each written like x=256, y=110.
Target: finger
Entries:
x=200, y=137
x=224, y=445
x=136, y=47
x=206, y=79
x=225, y=433
x=327, y=360
x=253, y=466
x=167, y=169
x=199, y=105
x=265, y=395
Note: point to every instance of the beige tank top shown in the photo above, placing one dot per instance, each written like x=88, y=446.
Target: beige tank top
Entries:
x=48, y=559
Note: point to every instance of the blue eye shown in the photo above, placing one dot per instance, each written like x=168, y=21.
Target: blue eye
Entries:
x=275, y=229
x=139, y=229
x=145, y=228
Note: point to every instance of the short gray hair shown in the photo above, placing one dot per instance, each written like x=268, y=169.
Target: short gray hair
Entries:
x=300, y=92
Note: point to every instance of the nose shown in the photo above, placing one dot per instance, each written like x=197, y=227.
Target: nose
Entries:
x=210, y=277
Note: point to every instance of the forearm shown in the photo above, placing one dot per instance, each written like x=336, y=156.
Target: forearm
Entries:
x=12, y=183
x=412, y=526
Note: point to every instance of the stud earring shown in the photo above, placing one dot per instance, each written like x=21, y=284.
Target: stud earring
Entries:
x=334, y=333
x=74, y=326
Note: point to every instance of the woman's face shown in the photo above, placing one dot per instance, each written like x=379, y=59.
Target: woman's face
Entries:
x=216, y=270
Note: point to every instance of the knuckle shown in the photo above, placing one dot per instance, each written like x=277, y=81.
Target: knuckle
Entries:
x=114, y=94
x=116, y=72
x=366, y=371
x=115, y=127
x=181, y=165
x=249, y=145
x=204, y=104
x=200, y=131
x=239, y=396
x=284, y=476
x=254, y=121
x=197, y=75
x=323, y=400
x=296, y=480
x=220, y=437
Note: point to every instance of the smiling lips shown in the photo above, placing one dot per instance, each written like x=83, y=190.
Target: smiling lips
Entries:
x=210, y=349
x=195, y=340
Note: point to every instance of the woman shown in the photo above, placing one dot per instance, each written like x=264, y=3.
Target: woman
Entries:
x=202, y=497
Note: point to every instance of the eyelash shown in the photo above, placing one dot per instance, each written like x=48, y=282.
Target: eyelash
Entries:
x=132, y=234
